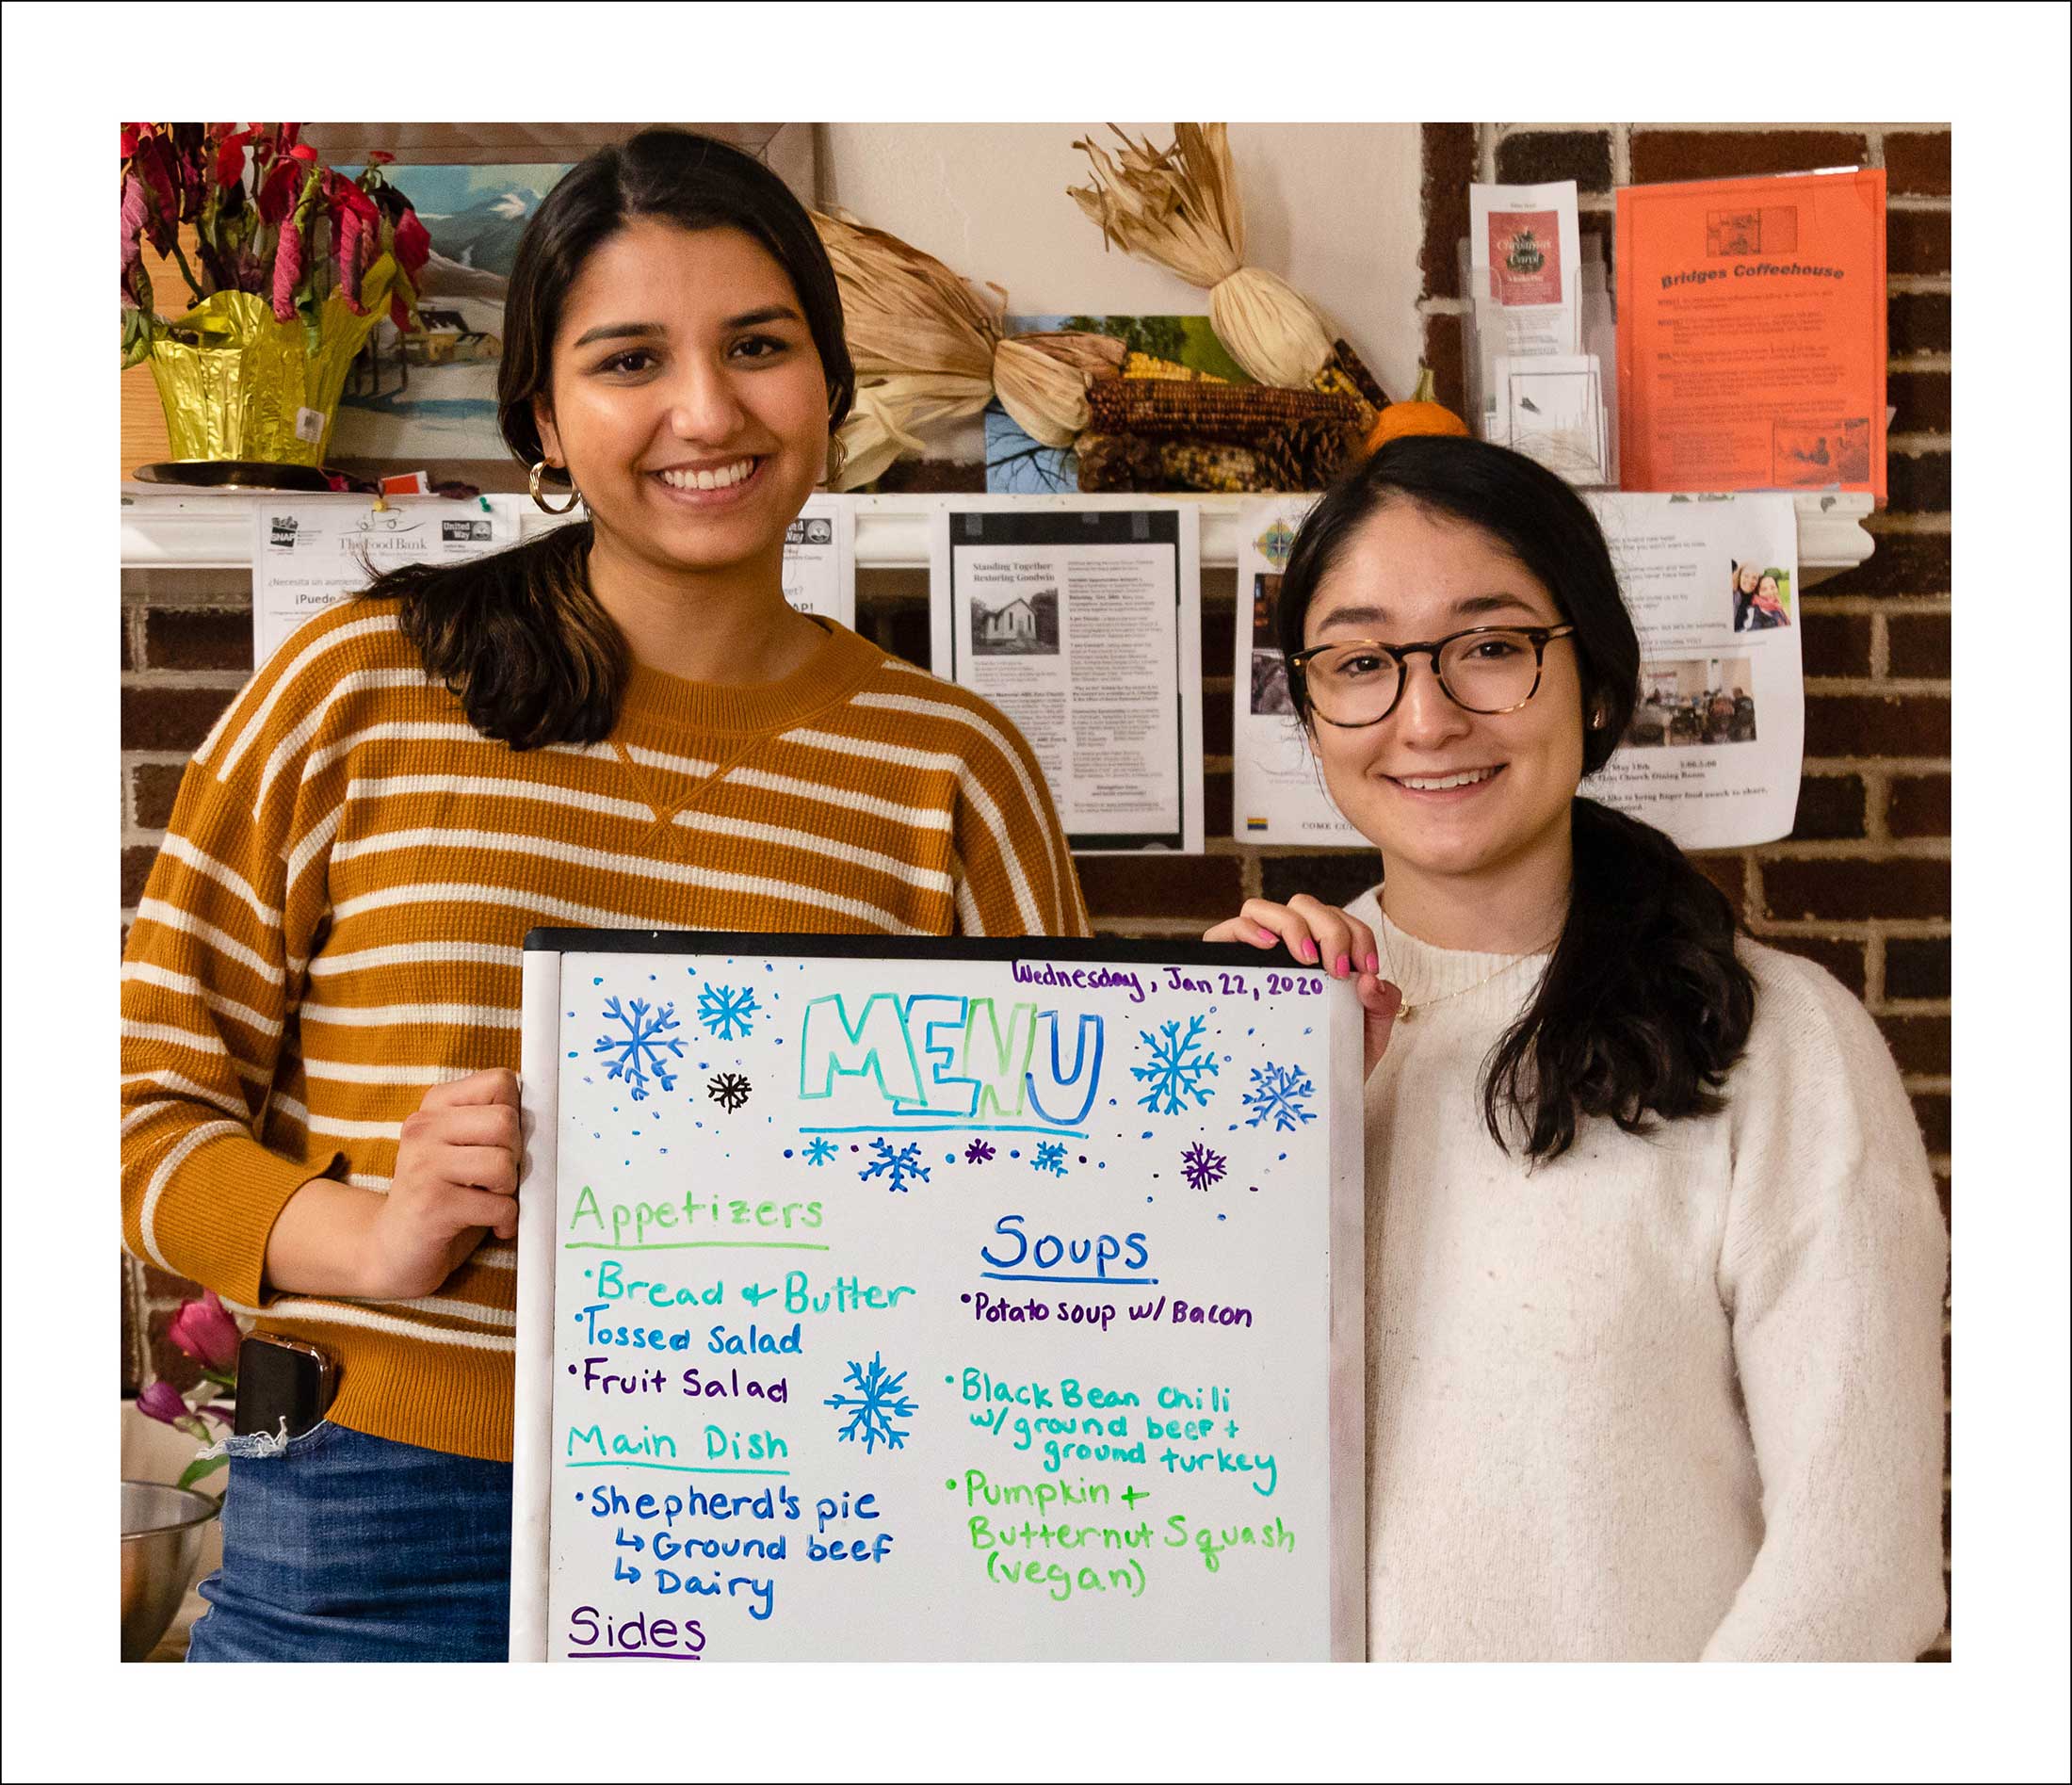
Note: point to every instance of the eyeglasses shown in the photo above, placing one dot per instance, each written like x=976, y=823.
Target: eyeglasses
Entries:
x=1485, y=670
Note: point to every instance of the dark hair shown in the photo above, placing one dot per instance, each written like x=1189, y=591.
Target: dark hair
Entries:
x=1644, y=1006
x=518, y=635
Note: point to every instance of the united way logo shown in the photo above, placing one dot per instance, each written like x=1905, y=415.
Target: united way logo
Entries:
x=1275, y=544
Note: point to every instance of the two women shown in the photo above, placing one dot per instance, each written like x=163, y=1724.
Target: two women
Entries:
x=1655, y=1266
x=622, y=723
x=1655, y=1262
x=1758, y=599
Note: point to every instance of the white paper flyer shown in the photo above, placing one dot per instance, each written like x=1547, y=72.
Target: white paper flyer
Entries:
x=1713, y=752
x=1277, y=792
x=821, y=559
x=309, y=555
x=1081, y=622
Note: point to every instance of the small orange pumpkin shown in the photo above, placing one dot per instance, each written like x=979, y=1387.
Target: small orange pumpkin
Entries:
x=1422, y=414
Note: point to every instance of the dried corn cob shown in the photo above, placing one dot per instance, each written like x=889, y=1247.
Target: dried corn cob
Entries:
x=1165, y=409
x=1333, y=382
x=1344, y=360
x=1208, y=464
x=1150, y=366
x=1130, y=464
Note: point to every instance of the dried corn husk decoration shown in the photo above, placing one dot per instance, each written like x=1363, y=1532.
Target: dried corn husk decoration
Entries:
x=929, y=346
x=884, y=420
x=1181, y=209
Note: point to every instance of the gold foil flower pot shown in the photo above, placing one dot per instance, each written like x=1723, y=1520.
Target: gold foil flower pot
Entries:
x=236, y=382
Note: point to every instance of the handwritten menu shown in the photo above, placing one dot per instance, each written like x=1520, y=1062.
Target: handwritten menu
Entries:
x=936, y=1300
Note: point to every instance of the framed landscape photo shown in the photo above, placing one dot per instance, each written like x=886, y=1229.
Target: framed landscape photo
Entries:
x=427, y=399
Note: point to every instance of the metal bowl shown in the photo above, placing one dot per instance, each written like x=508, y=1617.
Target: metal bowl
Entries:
x=162, y=1529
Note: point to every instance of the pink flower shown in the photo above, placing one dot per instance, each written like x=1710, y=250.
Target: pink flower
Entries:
x=162, y=1402
x=352, y=232
x=136, y=208
x=204, y=1330
x=287, y=268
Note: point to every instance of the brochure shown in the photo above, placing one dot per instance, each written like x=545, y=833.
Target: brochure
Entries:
x=1527, y=256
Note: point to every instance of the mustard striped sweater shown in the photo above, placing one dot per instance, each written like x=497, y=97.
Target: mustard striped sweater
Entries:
x=336, y=920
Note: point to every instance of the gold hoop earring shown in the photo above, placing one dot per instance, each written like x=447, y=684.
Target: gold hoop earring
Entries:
x=837, y=456
x=575, y=495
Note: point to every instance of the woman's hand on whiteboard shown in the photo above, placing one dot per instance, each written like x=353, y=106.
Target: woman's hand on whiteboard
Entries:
x=1329, y=937
x=456, y=1180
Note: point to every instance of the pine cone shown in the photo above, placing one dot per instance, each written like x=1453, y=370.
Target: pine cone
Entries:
x=1304, y=455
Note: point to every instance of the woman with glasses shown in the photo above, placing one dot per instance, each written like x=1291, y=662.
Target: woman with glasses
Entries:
x=619, y=723
x=1654, y=1264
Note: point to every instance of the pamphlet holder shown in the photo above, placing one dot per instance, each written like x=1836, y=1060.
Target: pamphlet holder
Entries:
x=1501, y=388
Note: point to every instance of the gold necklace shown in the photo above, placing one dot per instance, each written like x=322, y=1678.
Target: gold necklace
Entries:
x=1409, y=1009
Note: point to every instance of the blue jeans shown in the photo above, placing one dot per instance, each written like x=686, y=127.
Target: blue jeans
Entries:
x=350, y=1548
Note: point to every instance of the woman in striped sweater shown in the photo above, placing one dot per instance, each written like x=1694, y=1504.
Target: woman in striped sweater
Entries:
x=621, y=724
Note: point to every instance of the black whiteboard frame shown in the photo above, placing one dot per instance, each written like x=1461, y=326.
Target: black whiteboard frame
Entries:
x=540, y=1068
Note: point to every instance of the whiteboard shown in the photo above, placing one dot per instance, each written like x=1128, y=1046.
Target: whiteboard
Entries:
x=932, y=1300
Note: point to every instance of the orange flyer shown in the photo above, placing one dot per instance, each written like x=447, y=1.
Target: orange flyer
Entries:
x=1751, y=333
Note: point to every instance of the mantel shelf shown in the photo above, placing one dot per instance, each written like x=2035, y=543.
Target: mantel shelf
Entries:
x=210, y=529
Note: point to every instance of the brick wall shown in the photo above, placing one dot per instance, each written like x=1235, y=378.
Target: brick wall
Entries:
x=1862, y=885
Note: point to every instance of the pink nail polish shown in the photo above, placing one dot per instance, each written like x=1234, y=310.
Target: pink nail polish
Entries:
x=1309, y=949
x=1341, y=967
x=1373, y=964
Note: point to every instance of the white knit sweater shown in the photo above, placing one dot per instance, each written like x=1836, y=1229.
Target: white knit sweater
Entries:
x=1670, y=1398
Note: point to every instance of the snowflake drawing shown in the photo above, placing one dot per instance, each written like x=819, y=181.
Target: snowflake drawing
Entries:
x=1278, y=1093
x=644, y=1049
x=897, y=1166
x=820, y=1150
x=729, y=1090
x=1201, y=1166
x=1178, y=1064
x=878, y=1400
x=978, y=1152
x=726, y=1010
x=1050, y=1157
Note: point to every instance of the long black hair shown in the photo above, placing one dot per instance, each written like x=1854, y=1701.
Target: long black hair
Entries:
x=518, y=635
x=1644, y=1006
